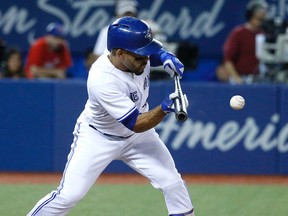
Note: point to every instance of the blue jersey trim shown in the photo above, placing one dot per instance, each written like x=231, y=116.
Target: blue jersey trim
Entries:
x=127, y=114
x=130, y=120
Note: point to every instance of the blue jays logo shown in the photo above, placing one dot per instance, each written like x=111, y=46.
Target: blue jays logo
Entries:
x=149, y=35
x=134, y=97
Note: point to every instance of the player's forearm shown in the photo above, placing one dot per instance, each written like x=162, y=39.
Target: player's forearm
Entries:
x=148, y=120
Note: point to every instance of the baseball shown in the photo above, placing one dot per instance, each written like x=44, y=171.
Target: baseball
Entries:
x=237, y=102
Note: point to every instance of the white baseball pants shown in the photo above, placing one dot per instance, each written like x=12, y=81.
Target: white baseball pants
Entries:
x=91, y=152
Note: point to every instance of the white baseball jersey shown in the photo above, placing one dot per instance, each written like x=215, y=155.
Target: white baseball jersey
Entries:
x=112, y=96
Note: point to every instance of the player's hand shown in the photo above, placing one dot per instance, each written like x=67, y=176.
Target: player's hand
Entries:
x=171, y=64
x=167, y=104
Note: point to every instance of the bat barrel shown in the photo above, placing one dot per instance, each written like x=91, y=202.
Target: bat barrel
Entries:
x=179, y=103
x=181, y=116
x=180, y=109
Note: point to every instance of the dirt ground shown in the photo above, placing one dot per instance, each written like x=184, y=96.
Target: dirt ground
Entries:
x=54, y=178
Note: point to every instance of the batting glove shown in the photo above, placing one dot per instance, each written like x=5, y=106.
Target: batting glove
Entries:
x=167, y=104
x=171, y=63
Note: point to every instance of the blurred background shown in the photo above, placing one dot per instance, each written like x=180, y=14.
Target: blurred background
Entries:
x=38, y=114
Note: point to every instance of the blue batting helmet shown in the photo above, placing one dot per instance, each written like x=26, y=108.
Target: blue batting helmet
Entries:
x=55, y=29
x=133, y=35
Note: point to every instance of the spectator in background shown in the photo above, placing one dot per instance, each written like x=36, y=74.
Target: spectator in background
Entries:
x=240, y=59
x=12, y=65
x=88, y=59
x=82, y=65
x=49, y=56
x=122, y=8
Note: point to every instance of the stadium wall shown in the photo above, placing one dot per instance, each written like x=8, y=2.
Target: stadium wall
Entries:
x=38, y=117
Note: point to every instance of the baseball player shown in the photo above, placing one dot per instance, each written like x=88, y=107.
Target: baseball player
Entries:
x=116, y=123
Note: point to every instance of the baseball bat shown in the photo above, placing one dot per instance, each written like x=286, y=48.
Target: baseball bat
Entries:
x=179, y=103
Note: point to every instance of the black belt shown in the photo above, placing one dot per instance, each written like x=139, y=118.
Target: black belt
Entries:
x=110, y=135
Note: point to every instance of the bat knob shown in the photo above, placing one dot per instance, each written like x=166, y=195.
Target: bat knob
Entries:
x=181, y=116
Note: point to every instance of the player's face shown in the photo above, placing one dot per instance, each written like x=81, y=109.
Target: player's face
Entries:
x=135, y=63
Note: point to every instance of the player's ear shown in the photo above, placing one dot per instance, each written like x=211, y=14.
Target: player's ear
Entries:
x=120, y=52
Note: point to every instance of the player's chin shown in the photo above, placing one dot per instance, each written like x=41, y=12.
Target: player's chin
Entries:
x=140, y=70
x=138, y=73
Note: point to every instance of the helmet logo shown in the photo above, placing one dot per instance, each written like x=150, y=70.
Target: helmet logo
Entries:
x=149, y=35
